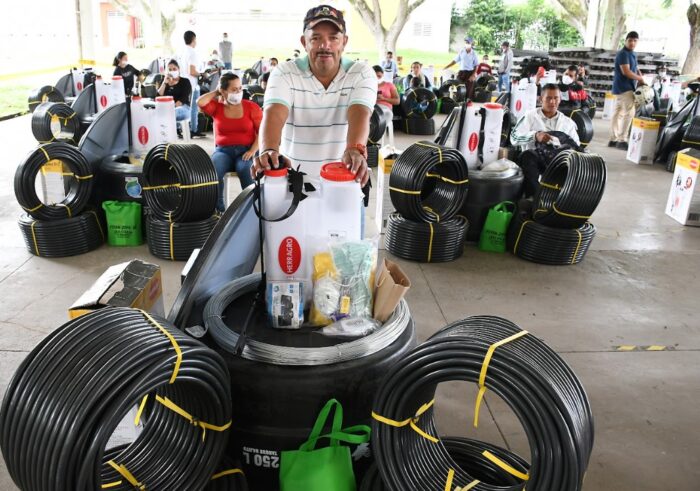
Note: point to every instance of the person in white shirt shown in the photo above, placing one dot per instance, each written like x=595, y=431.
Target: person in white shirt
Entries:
x=190, y=66
x=533, y=128
x=317, y=108
x=468, y=61
x=389, y=65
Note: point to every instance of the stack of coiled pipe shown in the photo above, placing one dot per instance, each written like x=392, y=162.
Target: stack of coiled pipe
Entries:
x=64, y=227
x=555, y=229
x=70, y=393
x=498, y=356
x=181, y=190
x=428, y=186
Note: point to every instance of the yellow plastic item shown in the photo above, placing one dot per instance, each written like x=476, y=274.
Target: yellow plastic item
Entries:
x=323, y=266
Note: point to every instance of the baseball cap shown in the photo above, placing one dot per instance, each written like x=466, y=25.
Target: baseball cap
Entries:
x=324, y=13
x=469, y=40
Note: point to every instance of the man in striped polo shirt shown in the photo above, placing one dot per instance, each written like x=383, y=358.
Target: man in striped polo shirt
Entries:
x=317, y=108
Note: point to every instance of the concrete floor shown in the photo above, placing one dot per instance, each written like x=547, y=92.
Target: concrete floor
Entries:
x=637, y=286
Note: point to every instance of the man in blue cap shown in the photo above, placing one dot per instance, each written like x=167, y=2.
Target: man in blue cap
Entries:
x=468, y=61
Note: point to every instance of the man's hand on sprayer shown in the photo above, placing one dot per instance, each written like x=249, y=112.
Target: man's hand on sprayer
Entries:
x=269, y=159
x=357, y=163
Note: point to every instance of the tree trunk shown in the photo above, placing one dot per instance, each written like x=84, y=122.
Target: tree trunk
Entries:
x=575, y=12
x=692, y=61
x=168, y=24
x=614, y=26
x=600, y=24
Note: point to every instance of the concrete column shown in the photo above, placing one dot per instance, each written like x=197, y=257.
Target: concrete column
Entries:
x=591, y=23
x=86, y=31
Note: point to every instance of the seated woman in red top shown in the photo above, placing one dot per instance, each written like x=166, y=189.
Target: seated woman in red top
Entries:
x=236, y=125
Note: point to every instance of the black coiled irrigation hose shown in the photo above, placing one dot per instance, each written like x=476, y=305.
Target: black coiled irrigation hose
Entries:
x=426, y=242
x=64, y=237
x=55, y=121
x=447, y=104
x=377, y=125
x=227, y=477
x=47, y=93
x=77, y=176
x=539, y=243
x=177, y=240
x=537, y=385
x=419, y=103
x=180, y=183
x=70, y=393
x=429, y=182
x=570, y=190
x=469, y=455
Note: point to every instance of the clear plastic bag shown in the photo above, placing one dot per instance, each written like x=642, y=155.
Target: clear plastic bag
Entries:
x=352, y=327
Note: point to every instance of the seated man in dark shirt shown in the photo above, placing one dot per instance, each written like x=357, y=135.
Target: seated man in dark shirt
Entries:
x=179, y=88
x=573, y=95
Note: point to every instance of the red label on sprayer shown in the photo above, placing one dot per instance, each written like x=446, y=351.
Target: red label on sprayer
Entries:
x=289, y=255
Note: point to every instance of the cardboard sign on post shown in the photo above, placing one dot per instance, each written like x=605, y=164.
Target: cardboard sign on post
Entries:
x=608, y=105
x=643, y=140
x=683, y=203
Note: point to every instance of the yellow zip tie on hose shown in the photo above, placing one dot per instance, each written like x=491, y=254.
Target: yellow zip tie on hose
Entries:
x=409, y=422
x=196, y=422
x=172, y=341
x=450, y=478
x=172, y=253
x=70, y=213
x=162, y=186
x=180, y=186
x=127, y=475
x=142, y=406
x=227, y=472
x=584, y=217
x=82, y=178
x=484, y=369
x=517, y=241
x=167, y=147
x=432, y=146
x=469, y=486
x=541, y=210
x=430, y=246
x=431, y=211
x=36, y=245
x=46, y=154
x=404, y=191
x=35, y=208
x=99, y=226
x=446, y=179
x=202, y=184
x=510, y=470
x=578, y=246
x=550, y=186
x=111, y=485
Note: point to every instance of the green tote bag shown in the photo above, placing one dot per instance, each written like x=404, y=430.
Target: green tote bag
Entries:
x=493, y=235
x=328, y=468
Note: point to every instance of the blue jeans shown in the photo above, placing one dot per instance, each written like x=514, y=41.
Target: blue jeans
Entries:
x=227, y=159
x=195, y=109
x=504, y=81
x=227, y=66
x=182, y=112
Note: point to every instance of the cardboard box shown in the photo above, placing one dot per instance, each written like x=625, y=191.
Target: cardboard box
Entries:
x=684, y=198
x=642, y=143
x=134, y=284
x=608, y=105
x=392, y=285
x=384, y=206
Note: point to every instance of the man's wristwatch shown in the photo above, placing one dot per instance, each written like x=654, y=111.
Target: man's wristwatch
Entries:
x=359, y=147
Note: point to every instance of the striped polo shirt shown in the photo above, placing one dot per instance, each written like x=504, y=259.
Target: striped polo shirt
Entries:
x=316, y=130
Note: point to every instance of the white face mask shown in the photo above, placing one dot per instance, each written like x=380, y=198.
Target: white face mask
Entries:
x=123, y=63
x=235, y=99
x=175, y=73
x=468, y=46
x=662, y=74
x=567, y=80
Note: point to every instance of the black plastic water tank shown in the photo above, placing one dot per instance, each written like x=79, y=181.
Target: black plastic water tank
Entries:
x=119, y=180
x=485, y=192
x=275, y=406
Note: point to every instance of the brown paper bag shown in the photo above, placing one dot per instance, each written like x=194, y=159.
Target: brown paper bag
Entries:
x=392, y=285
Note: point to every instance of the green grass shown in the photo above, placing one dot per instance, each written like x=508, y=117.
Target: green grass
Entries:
x=13, y=99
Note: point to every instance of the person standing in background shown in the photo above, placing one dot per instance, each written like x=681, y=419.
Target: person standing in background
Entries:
x=468, y=61
x=190, y=65
x=125, y=71
x=625, y=80
x=226, y=52
x=389, y=65
x=504, y=67
x=484, y=66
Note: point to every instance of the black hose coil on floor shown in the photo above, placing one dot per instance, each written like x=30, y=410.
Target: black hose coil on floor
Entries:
x=47, y=93
x=422, y=127
x=229, y=478
x=180, y=183
x=539, y=243
x=176, y=240
x=55, y=121
x=538, y=386
x=377, y=124
x=79, y=185
x=570, y=190
x=429, y=182
x=447, y=104
x=419, y=103
x=469, y=455
x=65, y=237
x=70, y=393
x=426, y=242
